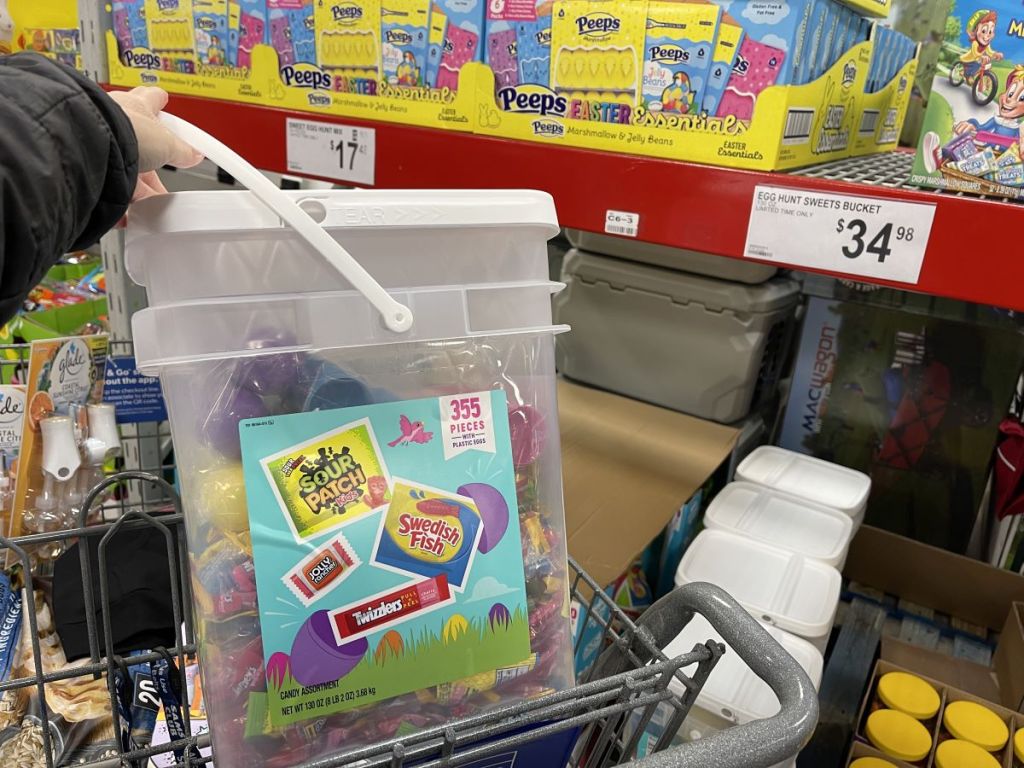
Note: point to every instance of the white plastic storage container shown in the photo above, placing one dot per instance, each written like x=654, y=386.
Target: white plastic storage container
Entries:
x=790, y=591
x=785, y=521
x=733, y=694
x=247, y=324
x=819, y=481
x=720, y=267
x=206, y=244
x=707, y=347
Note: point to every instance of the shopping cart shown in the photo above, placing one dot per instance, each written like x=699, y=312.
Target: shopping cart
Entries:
x=610, y=709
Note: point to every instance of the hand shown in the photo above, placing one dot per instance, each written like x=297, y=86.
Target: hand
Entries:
x=964, y=127
x=157, y=145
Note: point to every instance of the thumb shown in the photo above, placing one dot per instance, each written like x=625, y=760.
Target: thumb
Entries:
x=152, y=99
x=179, y=153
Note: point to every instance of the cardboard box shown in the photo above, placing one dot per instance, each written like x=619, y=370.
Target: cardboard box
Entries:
x=959, y=586
x=628, y=467
x=1009, y=660
x=948, y=694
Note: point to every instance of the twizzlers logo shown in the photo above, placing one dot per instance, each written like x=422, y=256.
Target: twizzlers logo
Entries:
x=355, y=621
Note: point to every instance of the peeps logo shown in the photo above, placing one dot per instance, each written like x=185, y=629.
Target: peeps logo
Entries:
x=305, y=76
x=597, y=25
x=741, y=66
x=547, y=128
x=669, y=54
x=319, y=100
x=148, y=78
x=206, y=24
x=543, y=37
x=447, y=46
x=346, y=13
x=168, y=6
x=398, y=37
x=532, y=99
x=902, y=86
x=849, y=73
x=141, y=58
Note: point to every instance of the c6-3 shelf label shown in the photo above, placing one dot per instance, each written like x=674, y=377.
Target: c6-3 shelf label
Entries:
x=857, y=235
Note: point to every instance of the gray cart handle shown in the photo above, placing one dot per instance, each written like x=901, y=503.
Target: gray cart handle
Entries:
x=758, y=744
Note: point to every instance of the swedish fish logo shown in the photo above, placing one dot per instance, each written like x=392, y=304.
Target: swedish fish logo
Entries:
x=532, y=99
x=597, y=25
x=346, y=13
x=669, y=54
x=305, y=75
x=141, y=58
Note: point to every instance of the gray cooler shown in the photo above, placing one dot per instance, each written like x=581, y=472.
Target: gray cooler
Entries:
x=711, y=348
x=699, y=263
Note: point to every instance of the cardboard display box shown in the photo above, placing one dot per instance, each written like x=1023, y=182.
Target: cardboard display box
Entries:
x=961, y=587
x=948, y=694
x=628, y=467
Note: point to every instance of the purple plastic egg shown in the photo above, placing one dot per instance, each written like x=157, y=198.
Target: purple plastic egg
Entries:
x=269, y=374
x=528, y=432
x=221, y=427
x=493, y=513
x=316, y=658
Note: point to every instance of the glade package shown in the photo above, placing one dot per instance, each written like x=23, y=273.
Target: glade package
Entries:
x=971, y=136
x=375, y=521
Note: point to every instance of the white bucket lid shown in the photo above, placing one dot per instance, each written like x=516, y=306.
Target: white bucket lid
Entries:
x=797, y=594
x=732, y=690
x=785, y=521
x=813, y=479
x=242, y=213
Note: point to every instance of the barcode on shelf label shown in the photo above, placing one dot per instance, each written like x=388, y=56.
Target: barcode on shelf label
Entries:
x=868, y=122
x=622, y=223
x=798, y=126
x=331, y=150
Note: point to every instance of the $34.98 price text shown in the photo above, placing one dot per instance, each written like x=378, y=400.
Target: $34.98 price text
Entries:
x=876, y=243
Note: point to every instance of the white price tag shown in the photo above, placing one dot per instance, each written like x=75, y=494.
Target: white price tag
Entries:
x=332, y=150
x=621, y=223
x=860, y=236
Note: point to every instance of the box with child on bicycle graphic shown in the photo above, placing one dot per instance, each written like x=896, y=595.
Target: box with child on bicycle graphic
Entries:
x=971, y=140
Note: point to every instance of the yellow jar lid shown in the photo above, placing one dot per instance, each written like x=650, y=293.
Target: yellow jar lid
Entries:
x=1018, y=744
x=908, y=693
x=898, y=735
x=871, y=762
x=977, y=724
x=962, y=754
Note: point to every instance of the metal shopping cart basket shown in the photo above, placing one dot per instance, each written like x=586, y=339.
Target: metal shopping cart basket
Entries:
x=610, y=709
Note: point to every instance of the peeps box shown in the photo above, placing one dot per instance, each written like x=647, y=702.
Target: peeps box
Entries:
x=369, y=59
x=972, y=132
x=678, y=53
x=50, y=29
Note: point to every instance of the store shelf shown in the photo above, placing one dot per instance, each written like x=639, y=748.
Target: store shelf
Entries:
x=973, y=253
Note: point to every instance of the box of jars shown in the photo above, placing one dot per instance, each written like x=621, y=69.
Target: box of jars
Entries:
x=913, y=721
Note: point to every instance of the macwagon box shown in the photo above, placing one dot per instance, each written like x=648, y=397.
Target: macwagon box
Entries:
x=971, y=137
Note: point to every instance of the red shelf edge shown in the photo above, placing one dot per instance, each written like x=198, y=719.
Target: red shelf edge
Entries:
x=971, y=253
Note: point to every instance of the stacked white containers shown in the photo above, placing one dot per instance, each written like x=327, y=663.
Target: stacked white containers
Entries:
x=775, y=540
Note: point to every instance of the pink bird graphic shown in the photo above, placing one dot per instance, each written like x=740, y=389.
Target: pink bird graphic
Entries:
x=412, y=432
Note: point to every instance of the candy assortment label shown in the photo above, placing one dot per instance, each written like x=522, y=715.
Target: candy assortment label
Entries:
x=384, y=563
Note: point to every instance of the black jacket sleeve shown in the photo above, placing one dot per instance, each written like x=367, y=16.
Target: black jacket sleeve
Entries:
x=68, y=166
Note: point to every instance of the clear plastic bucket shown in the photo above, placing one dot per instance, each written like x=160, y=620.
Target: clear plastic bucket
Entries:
x=373, y=502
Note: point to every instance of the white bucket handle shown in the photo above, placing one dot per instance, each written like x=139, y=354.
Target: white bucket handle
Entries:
x=397, y=316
